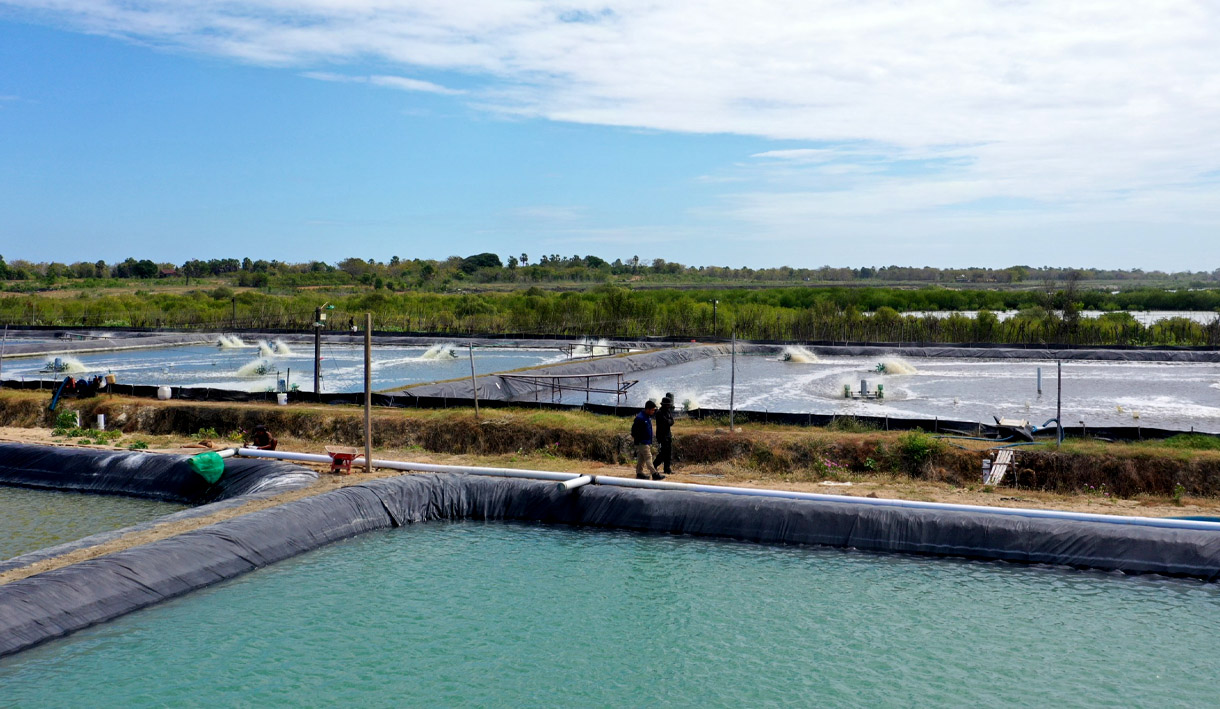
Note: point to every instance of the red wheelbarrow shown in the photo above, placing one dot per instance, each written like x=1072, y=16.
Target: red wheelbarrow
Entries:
x=341, y=458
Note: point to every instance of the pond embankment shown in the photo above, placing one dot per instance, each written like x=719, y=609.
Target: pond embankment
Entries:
x=1176, y=470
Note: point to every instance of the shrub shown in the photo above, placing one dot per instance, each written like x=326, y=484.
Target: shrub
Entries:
x=916, y=450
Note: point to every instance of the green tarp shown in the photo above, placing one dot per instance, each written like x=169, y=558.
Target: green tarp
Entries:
x=210, y=466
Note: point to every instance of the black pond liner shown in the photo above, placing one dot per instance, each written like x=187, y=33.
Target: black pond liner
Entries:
x=58, y=602
x=157, y=476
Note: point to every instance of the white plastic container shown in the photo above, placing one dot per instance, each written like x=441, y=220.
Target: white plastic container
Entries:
x=164, y=393
x=281, y=399
x=101, y=422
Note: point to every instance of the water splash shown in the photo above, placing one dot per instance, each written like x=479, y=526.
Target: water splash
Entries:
x=587, y=347
x=256, y=368
x=229, y=342
x=65, y=365
x=264, y=349
x=800, y=355
x=437, y=352
x=896, y=365
x=281, y=349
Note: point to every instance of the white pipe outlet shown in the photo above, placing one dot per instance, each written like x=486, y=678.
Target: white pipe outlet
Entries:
x=569, y=485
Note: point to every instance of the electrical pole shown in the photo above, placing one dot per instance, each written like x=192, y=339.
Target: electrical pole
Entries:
x=1059, y=401
x=368, y=392
x=317, y=353
x=733, y=383
x=3, y=345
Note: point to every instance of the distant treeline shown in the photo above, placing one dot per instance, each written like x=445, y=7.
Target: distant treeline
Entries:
x=1046, y=316
x=488, y=268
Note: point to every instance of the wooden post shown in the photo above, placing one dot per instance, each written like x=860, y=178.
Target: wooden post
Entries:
x=368, y=392
x=474, y=382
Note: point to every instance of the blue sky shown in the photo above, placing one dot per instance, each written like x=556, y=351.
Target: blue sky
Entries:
x=951, y=133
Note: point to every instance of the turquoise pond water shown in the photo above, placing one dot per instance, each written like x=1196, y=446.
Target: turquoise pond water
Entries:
x=33, y=519
x=512, y=615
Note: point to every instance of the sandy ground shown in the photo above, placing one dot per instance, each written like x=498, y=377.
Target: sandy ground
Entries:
x=881, y=486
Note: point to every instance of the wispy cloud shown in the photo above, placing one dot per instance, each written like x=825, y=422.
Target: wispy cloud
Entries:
x=1080, y=106
x=394, y=82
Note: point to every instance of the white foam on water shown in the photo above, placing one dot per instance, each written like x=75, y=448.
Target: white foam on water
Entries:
x=800, y=355
x=67, y=365
x=256, y=368
x=898, y=366
x=264, y=349
x=230, y=342
x=282, y=349
x=437, y=352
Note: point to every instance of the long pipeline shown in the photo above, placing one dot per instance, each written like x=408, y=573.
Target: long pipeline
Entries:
x=406, y=466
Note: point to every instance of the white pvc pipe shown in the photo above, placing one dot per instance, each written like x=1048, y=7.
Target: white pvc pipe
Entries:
x=413, y=467
x=569, y=485
x=756, y=492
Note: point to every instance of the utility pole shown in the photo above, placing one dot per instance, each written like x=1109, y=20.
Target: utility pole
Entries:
x=474, y=383
x=368, y=392
x=733, y=383
x=3, y=346
x=1059, y=401
x=317, y=353
x=234, y=301
x=715, y=322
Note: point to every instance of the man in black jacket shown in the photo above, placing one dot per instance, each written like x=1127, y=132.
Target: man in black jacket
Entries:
x=641, y=436
x=665, y=435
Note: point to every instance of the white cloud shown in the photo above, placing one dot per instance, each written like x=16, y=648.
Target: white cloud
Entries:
x=394, y=82
x=1090, y=106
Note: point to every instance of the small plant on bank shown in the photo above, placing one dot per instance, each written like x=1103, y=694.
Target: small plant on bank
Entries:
x=137, y=445
x=916, y=451
x=1097, y=491
x=1179, y=490
x=207, y=433
x=65, y=419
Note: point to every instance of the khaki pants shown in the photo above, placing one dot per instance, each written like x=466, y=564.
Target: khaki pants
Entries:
x=643, y=456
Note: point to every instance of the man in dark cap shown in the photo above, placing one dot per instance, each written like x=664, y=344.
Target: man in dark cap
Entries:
x=262, y=439
x=665, y=435
x=641, y=436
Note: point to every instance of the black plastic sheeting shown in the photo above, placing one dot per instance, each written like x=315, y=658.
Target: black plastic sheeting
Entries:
x=157, y=476
x=55, y=603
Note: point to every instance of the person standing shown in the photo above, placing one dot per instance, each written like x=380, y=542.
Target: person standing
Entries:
x=665, y=435
x=641, y=436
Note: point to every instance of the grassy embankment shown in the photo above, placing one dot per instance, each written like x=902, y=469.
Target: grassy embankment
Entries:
x=1165, y=473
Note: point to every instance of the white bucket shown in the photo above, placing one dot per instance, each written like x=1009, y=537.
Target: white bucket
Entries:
x=164, y=393
x=101, y=422
x=281, y=399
